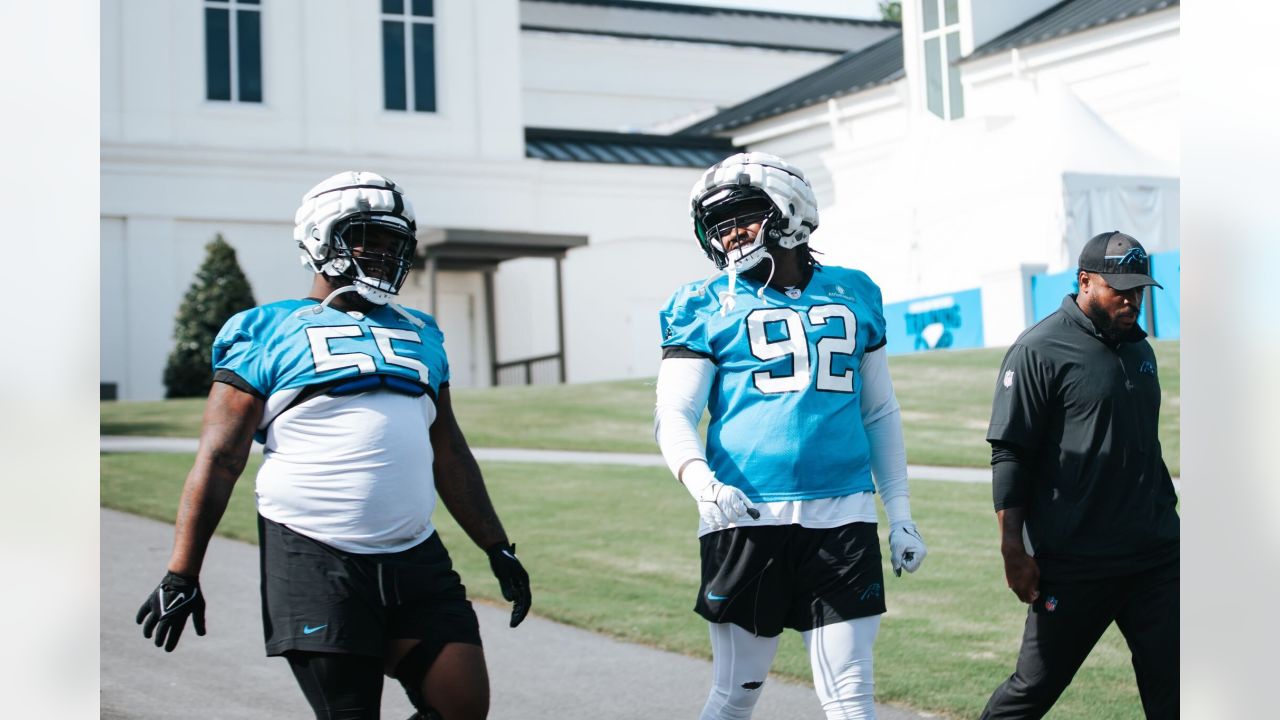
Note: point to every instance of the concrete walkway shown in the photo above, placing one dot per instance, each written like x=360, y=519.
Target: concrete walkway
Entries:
x=121, y=443
x=541, y=670
x=126, y=443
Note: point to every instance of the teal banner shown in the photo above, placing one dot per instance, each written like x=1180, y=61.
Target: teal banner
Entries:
x=1166, y=268
x=937, y=322
x=1047, y=291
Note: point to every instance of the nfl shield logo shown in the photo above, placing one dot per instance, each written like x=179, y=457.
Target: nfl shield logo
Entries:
x=1008, y=378
x=1050, y=603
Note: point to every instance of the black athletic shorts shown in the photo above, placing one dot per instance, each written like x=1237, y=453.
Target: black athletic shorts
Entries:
x=318, y=598
x=769, y=577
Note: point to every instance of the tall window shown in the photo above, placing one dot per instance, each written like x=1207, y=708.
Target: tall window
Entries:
x=943, y=94
x=233, y=50
x=409, y=55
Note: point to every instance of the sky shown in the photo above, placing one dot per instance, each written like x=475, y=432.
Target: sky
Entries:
x=865, y=9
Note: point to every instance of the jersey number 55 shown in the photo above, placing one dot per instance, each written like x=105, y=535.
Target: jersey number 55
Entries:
x=327, y=360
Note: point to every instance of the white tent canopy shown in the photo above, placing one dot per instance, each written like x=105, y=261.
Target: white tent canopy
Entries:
x=1145, y=207
x=1104, y=182
x=992, y=193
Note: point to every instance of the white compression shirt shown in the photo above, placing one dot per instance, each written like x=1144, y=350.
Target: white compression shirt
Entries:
x=353, y=471
x=684, y=384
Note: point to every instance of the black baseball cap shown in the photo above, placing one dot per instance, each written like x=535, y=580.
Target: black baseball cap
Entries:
x=1119, y=259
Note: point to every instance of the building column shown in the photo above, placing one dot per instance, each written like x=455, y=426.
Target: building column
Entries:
x=1006, y=303
x=433, y=278
x=492, y=326
x=560, y=316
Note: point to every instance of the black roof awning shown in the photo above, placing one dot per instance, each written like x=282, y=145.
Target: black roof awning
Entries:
x=457, y=249
x=614, y=148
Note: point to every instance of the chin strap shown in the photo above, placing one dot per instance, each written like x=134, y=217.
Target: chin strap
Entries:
x=727, y=301
x=413, y=319
x=317, y=309
x=772, y=266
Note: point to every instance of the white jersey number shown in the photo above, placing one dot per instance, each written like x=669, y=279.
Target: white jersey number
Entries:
x=833, y=345
x=327, y=360
x=796, y=346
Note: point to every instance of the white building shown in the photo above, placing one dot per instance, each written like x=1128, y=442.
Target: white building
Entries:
x=549, y=146
x=984, y=144
x=218, y=114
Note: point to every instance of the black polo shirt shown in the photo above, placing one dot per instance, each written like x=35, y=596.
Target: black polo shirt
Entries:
x=1083, y=413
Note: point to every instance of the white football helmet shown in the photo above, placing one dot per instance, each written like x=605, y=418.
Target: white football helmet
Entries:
x=338, y=215
x=744, y=189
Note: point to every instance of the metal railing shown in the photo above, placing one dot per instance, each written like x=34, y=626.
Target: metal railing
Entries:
x=540, y=370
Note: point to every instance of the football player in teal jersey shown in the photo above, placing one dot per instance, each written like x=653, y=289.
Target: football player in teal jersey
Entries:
x=788, y=356
x=349, y=394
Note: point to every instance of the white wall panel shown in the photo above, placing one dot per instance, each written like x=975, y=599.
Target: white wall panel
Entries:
x=608, y=333
x=604, y=83
x=113, y=306
x=525, y=300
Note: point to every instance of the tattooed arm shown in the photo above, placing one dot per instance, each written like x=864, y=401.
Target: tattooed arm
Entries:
x=230, y=418
x=458, y=480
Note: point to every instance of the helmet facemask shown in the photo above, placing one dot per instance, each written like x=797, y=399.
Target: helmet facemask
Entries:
x=723, y=220
x=744, y=191
x=752, y=180
x=359, y=226
x=375, y=251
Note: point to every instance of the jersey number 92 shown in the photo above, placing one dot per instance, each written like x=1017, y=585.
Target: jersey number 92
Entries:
x=795, y=345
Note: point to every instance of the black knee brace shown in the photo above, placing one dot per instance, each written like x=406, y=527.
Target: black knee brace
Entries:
x=411, y=670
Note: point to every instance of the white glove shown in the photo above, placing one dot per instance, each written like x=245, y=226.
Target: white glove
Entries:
x=906, y=547
x=719, y=505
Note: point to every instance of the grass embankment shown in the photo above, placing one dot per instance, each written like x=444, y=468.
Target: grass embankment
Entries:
x=945, y=398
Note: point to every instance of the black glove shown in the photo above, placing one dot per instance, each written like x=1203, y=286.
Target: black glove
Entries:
x=512, y=578
x=166, y=609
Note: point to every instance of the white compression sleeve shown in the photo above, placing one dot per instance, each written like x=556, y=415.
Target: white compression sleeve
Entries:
x=740, y=663
x=684, y=384
x=882, y=420
x=843, y=671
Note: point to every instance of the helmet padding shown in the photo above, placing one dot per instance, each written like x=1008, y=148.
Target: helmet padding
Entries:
x=335, y=218
x=736, y=187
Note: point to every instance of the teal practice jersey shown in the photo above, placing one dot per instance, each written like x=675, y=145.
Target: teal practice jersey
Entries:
x=786, y=420
x=285, y=351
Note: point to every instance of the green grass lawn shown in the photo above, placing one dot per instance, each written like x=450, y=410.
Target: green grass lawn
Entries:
x=612, y=549
x=945, y=398
x=946, y=404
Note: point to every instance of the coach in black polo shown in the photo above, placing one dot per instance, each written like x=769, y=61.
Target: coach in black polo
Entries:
x=1076, y=461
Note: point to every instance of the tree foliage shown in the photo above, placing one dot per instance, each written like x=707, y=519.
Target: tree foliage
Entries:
x=219, y=291
x=891, y=11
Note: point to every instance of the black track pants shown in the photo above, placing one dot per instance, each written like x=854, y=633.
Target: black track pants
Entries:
x=1065, y=623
